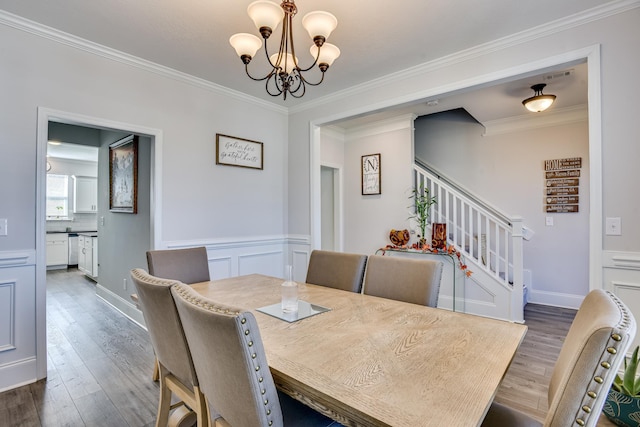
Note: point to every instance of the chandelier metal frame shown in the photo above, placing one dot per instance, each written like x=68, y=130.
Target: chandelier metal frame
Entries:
x=286, y=74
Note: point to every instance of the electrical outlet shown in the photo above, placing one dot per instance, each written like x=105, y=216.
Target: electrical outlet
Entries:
x=3, y=226
x=548, y=221
x=124, y=284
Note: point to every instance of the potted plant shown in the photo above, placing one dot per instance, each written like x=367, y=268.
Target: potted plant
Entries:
x=422, y=203
x=622, y=405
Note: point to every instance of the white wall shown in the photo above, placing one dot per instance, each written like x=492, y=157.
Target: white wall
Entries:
x=196, y=199
x=507, y=170
x=369, y=218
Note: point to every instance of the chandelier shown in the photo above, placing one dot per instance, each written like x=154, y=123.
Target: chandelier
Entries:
x=286, y=75
x=538, y=102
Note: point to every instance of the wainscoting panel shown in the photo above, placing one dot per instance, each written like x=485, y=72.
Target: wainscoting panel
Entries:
x=259, y=255
x=17, y=319
x=7, y=315
x=220, y=268
x=300, y=262
x=267, y=263
x=622, y=277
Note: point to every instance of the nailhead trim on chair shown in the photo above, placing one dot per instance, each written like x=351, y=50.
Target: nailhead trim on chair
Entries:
x=582, y=417
x=186, y=294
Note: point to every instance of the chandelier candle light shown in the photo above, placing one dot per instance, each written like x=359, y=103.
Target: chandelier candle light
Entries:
x=286, y=76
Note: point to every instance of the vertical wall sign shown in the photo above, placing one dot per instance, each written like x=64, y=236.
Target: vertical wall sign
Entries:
x=562, y=185
x=370, y=168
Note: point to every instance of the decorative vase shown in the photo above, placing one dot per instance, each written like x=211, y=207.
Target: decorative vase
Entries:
x=621, y=409
x=399, y=237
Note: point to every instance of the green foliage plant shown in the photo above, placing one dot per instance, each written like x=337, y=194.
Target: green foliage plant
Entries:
x=422, y=203
x=629, y=384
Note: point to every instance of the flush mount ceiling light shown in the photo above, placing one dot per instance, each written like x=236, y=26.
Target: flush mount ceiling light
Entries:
x=538, y=102
x=286, y=75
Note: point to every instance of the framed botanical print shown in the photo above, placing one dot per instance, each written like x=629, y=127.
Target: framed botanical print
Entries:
x=123, y=175
x=370, y=169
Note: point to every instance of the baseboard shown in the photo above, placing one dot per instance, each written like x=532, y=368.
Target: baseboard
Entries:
x=128, y=309
x=555, y=299
x=18, y=374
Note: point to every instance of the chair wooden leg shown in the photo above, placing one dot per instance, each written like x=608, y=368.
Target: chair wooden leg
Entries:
x=164, y=402
x=202, y=408
x=156, y=371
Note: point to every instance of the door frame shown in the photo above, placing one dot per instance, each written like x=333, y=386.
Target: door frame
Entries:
x=46, y=115
x=338, y=209
x=593, y=58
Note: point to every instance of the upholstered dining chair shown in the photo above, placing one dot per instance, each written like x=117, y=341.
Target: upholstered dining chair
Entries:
x=589, y=359
x=337, y=270
x=177, y=374
x=410, y=280
x=188, y=265
x=231, y=364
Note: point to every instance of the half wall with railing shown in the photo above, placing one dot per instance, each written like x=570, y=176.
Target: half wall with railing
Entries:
x=490, y=241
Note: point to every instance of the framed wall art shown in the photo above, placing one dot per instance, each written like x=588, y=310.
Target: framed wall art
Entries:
x=232, y=151
x=370, y=168
x=123, y=175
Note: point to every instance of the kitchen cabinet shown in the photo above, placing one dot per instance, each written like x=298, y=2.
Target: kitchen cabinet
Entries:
x=57, y=249
x=85, y=194
x=88, y=254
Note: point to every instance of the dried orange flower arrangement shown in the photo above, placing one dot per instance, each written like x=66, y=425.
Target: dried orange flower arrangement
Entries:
x=450, y=250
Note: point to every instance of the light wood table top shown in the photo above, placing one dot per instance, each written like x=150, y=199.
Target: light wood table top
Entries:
x=377, y=362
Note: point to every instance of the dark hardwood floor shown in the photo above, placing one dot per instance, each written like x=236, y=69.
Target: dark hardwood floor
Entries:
x=100, y=364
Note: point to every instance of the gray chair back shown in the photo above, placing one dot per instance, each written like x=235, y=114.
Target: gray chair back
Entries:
x=410, y=280
x=337, y=270
x=190, y=265
x=229, y=357
x=592, y=352
x=164, y=325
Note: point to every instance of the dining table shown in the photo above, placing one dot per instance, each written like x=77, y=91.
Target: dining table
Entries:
x=371, y=361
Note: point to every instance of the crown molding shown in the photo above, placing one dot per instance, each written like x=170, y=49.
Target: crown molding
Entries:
x=556, y=117
x=40, y=30
x=549, y=28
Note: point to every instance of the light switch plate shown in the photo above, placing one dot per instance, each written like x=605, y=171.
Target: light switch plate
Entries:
x=3, y=226
x=613, y=227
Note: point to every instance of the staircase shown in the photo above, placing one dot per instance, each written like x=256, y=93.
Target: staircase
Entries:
x=490, y=242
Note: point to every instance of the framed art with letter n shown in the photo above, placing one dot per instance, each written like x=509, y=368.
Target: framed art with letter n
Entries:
x=370, y=168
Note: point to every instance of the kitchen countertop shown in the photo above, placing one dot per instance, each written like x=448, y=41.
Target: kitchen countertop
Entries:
x=88, y=233
x=73, y=232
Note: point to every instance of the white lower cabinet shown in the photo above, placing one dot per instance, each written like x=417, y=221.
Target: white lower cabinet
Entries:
x=57, y=249
x=88, y=255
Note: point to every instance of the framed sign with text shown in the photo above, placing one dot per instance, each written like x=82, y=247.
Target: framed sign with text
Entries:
x=370, y=168
x=232, y=151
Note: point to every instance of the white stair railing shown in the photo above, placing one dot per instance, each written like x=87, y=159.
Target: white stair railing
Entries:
x=488, y=239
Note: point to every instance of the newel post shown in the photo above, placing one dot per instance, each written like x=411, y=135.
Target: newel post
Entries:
x=517, y=295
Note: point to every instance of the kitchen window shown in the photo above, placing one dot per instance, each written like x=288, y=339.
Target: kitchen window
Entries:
x=57, y=196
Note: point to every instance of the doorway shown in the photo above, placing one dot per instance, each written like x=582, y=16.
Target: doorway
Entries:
x=590, y=55
x=106, y=289
x=330, y=206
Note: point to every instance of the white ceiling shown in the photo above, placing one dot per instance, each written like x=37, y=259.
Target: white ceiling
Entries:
x=376, y=38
